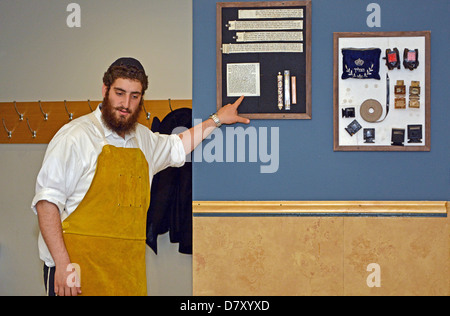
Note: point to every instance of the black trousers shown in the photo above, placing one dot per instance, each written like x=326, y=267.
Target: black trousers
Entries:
x=49, y=280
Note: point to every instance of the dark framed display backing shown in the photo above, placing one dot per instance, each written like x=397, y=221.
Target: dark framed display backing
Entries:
x=264, y=53
x=381, y=91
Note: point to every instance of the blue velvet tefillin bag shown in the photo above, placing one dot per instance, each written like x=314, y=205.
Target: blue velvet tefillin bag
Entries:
x=361, y=63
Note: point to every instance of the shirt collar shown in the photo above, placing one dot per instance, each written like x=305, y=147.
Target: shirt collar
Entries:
x=109, y=132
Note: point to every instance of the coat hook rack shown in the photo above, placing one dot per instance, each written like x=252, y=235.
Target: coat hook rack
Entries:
x=70, y=114
x=42, y=119
x=18, y=113
x=33, y=132
x=42, y=111
x=6, y=129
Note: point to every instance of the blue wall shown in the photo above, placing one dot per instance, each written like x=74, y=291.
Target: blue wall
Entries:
x=309, y=169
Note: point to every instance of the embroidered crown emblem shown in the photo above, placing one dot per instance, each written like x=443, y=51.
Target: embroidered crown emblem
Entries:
x=359, y=62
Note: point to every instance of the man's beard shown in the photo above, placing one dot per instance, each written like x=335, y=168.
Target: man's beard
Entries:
x=119, y=124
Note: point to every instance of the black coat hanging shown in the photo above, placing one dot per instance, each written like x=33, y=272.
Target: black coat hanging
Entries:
x=171, y=193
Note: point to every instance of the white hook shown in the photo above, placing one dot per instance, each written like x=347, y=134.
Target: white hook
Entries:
x=70, y=114
x=147, y=114
x=6, y=129
x=33, y=133
x=42, y=111
x=17, y=111
x=89, y=104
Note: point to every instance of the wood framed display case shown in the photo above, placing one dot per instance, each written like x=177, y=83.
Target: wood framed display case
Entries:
x=381, y=91
x=257, y=42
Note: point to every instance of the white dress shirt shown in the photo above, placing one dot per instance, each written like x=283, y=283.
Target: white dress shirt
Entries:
x=71, y=158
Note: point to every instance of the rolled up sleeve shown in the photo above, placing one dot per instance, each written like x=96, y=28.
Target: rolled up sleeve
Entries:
x=161, y=150
x=51, y=195
x=168, y=152
x=60, y=172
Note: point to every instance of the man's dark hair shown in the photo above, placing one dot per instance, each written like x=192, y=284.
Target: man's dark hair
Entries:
x=127, y=68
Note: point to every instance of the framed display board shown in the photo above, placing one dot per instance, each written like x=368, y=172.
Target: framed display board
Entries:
x=381, y=91
x=264, y=53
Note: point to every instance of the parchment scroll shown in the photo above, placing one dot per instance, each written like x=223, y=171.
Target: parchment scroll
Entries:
x=265, y=25
x=269, y=36
x=270, y=14
x=262, y=48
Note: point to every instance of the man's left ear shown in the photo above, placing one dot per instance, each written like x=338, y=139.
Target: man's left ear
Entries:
x=104, y=89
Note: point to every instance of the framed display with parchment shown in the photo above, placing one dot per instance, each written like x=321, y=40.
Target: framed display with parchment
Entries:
x=264, y=53
x=381, y=91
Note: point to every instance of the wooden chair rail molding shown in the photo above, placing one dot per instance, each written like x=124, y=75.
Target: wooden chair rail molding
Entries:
x=37, y=122
x=318, y=208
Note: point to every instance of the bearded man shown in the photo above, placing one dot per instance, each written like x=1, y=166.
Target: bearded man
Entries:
x=93, y=190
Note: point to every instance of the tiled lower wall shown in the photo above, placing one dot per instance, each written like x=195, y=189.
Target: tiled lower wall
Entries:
x=341, y=248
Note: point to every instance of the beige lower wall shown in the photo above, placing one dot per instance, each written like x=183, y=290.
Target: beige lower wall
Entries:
x=289, y=254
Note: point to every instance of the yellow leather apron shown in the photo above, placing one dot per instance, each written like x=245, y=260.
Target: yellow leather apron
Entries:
x=106, y=233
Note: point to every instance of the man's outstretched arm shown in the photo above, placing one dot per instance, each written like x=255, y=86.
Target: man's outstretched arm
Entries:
x=228, y=114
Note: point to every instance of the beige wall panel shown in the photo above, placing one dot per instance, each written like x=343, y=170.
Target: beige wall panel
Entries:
x=294, y=253
x=412, y=254
x=268, y=256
